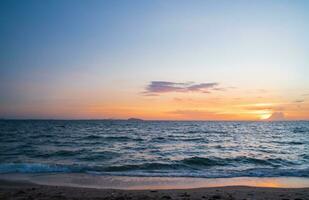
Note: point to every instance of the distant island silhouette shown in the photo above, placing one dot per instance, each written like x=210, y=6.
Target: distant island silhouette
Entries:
x=135, y=119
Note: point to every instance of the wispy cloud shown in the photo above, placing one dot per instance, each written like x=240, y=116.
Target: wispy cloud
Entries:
x=195, y=114
x=299, y=101
x=199, y=114
x=156, y=87
x=263, y=106
x=191, y=112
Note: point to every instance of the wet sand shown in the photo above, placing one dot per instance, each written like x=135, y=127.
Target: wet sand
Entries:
x=150, y=183
x=29, y=191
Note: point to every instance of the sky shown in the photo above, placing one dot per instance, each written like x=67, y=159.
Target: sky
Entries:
x=160, y=60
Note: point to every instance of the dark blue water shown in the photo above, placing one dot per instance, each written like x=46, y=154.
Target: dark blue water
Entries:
x=156, y=148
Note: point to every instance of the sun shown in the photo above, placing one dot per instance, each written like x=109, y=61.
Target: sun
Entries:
x=265, y=116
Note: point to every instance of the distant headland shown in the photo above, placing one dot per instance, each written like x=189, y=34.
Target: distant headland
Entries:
x=135, y=119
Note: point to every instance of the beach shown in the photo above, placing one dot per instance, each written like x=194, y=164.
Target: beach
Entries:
x=26, y=190
x=81, y=186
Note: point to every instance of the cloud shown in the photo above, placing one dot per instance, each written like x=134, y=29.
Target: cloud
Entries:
x=277, y=116
x=197, y=114
x=178, y=99
x=259, y=107
x=190, y=112
x=156, y=87
x=263, y=106
x=275, y=108
x=299, y=101
x=194, y=114
x=201, y=86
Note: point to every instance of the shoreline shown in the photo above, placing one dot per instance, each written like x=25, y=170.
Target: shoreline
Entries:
x=83, y=180
x=10, y=189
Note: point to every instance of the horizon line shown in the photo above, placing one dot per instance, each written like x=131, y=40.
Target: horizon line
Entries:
x=141, y=120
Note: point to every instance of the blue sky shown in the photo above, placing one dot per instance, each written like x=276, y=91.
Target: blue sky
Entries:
x=56, y=54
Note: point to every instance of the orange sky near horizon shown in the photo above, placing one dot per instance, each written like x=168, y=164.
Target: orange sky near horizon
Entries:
x=205, y=108
x=225, y=104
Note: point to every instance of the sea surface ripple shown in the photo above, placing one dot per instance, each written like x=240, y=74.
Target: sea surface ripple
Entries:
x=155, y=148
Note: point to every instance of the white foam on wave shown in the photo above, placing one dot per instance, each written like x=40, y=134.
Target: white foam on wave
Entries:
x=31, y=168
x=54, y=168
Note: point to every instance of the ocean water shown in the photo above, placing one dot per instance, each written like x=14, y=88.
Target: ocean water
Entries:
x=155, y=148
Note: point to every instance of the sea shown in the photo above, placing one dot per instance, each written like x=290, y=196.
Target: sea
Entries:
x=205, y=149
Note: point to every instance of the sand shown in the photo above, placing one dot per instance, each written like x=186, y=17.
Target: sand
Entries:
x=28, y=191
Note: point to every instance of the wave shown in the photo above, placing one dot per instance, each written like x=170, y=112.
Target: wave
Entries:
x=289, y=142
x=300, y=130
x=197, y=163
x=32, y=168
x=99, y=156
x=216, y=161
x=151, y=170
x=61, y=153
x=189, y=164
x=195, y=139
x=257, y=172
x=146, y=166
x=90, y=137
x=111, y=138
x=145, y=171
x=201, y=163
x=118, y=138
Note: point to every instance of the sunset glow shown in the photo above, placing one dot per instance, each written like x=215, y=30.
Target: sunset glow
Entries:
x=265, y=116
x=161, y=60
x=154, y=99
